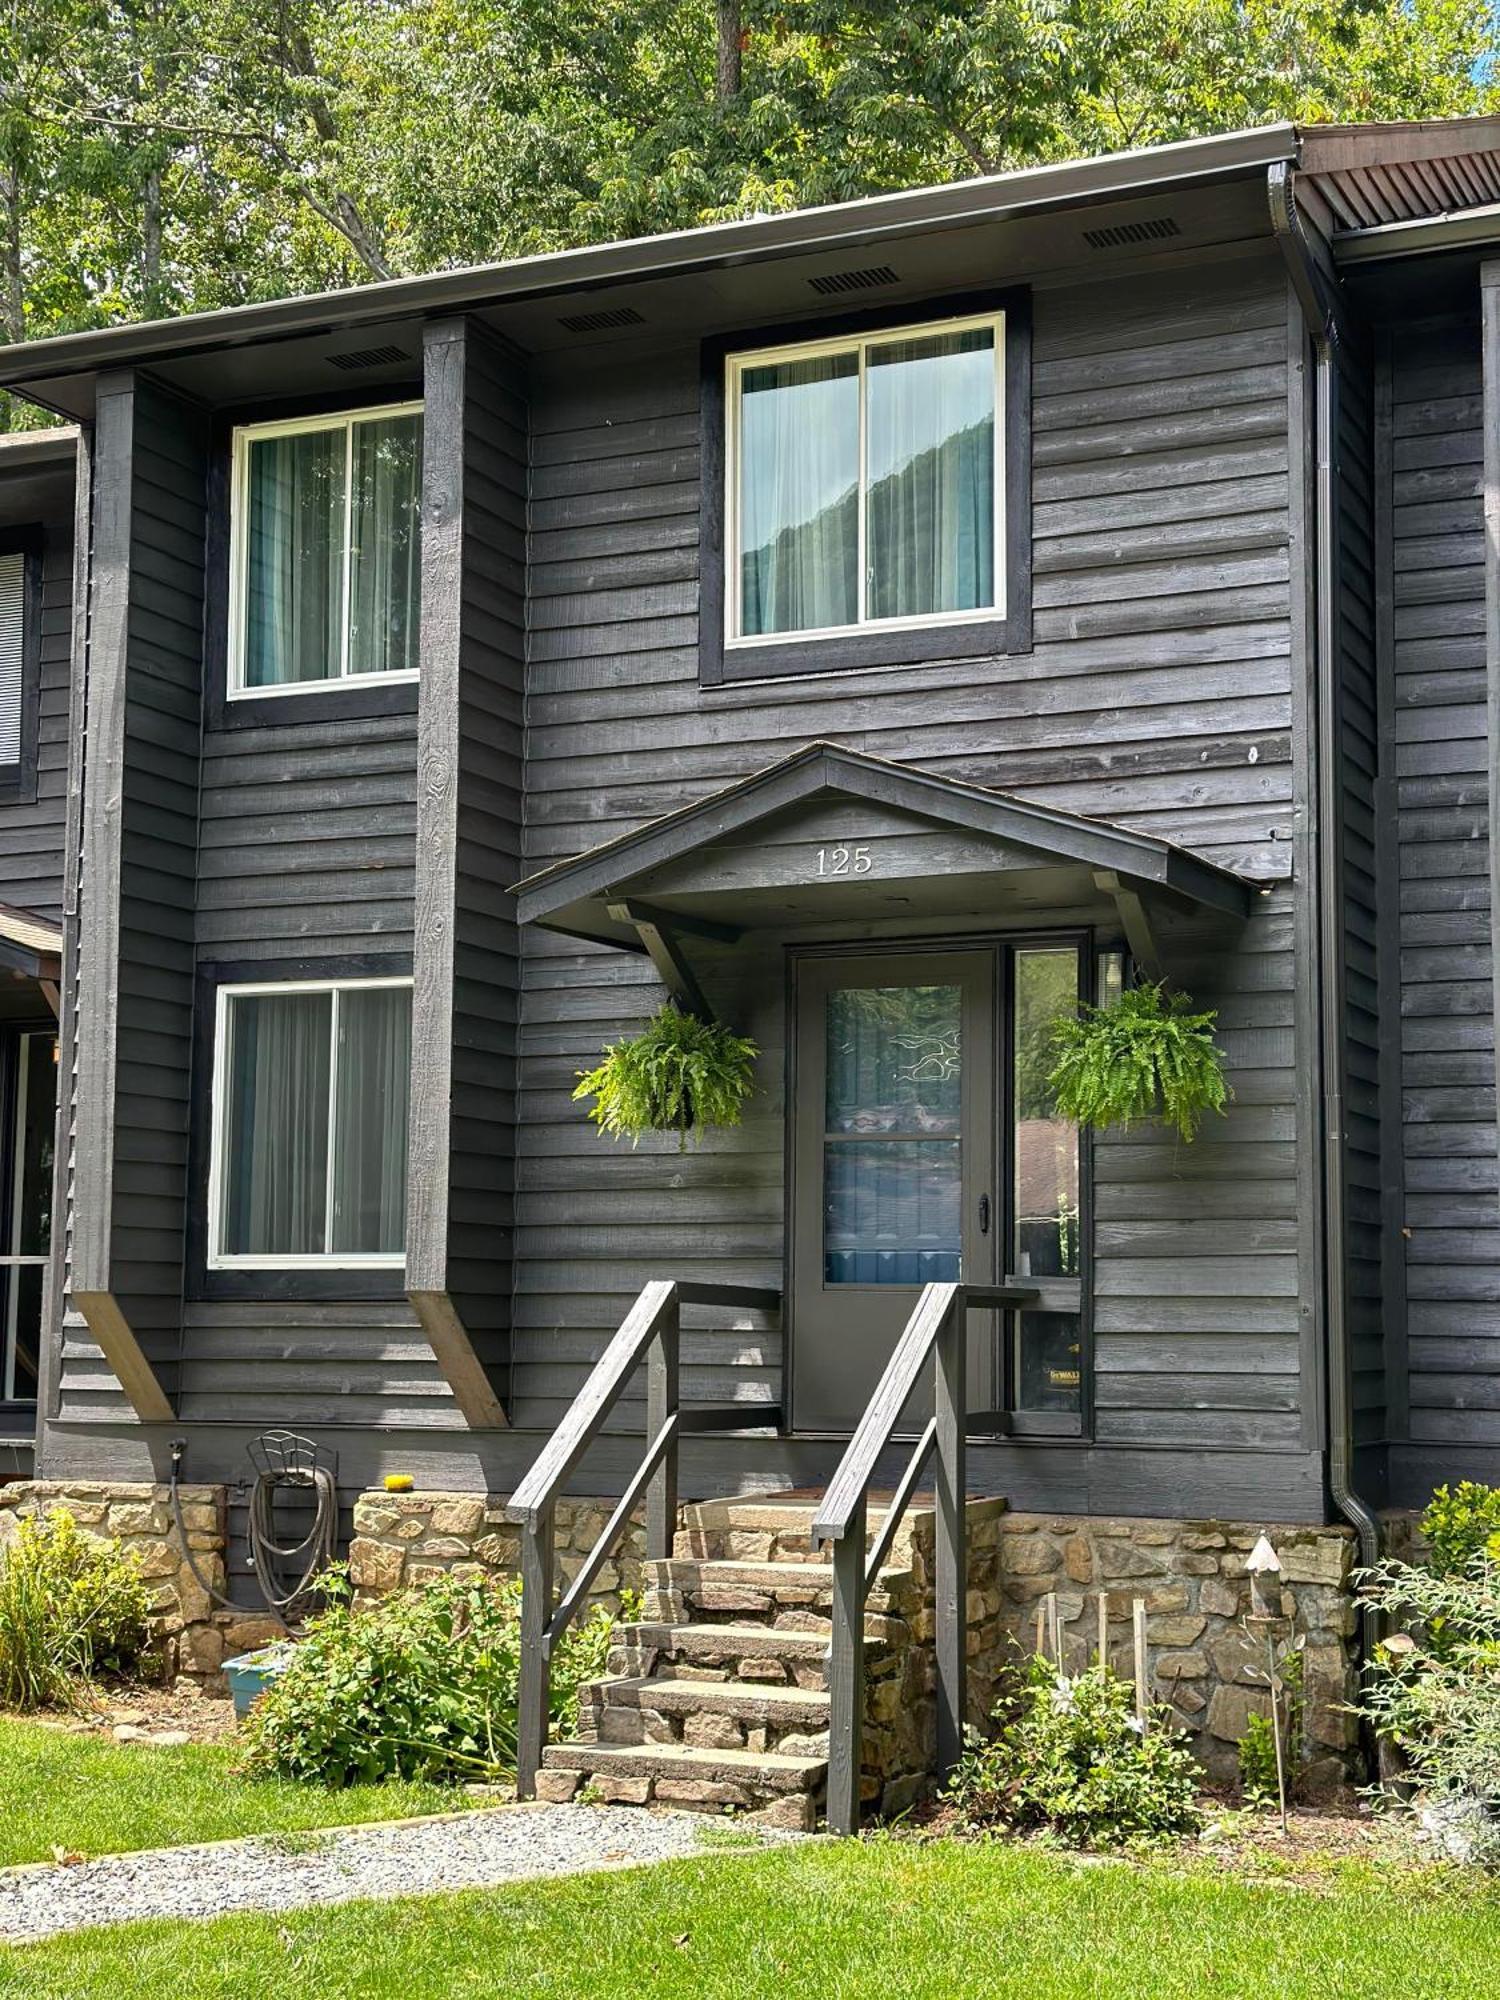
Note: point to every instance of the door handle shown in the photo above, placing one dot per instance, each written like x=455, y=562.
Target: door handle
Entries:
x=984, y=1215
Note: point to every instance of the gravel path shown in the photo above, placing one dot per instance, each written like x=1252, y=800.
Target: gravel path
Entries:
x=473, y=1850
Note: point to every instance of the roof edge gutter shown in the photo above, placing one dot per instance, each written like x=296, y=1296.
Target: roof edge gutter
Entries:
x=796, y=232
x=1321, y=309
x=1421, y=236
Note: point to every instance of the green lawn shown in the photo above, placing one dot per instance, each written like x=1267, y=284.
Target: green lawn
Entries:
x=88, y=1794
x=831, y=1921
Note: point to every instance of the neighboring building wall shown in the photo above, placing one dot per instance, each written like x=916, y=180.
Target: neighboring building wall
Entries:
x=1437, y=667
x=1160, y=692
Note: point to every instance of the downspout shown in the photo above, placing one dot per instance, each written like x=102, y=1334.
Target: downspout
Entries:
x=1320, y=311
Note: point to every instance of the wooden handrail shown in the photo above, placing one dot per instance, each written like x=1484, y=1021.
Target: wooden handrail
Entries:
x=936, y=1333
x=649, y=1333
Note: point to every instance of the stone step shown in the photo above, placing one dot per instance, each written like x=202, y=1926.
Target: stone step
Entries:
x=761, y=1654
x=711, y=1715
x=785, y=1790
x=762, y=1528
x=771, y=1593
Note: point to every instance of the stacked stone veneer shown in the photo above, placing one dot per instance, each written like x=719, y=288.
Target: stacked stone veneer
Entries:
x=194, y=1635
x=1202, y=1655
x=402, y=1539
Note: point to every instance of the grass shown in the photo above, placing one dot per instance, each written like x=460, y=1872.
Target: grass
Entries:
x=836, y=1922
x=92, y=1796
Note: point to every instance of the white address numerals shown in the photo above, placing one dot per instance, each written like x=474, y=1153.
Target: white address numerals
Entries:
x=844, y=860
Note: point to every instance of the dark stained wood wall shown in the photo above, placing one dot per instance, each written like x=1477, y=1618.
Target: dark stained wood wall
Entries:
x=1437, y=661
x=1159, y=692
x=31, y=830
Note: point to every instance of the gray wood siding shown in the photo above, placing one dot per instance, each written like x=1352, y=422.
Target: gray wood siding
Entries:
x=32, y=830
x=469, y=851
x=1452, y=1244
x=1354, y=738
x=1158, y=693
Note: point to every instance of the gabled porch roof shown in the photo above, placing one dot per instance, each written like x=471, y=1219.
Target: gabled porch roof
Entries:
x=765, y=853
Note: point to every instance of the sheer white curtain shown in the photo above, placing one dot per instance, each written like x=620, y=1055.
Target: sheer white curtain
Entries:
x=370, y=1121
x=799, y=495
x=386, y=553
x=294, y=607
x=930, y=452
x=275, y=1167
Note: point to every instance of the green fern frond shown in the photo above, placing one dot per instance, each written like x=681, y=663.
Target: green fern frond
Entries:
x=679, y=1074
x=1145, y=1055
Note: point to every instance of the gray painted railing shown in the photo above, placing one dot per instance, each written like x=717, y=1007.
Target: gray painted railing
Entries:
x=650, y=1332
x=936, y=1332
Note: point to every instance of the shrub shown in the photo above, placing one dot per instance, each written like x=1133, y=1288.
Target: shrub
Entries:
x=1257, y=1752
x=1434, y=1690
x=679, y=1074
x=1071, y=1756
x=71, y=1606
x=1458, y=1525
x=421, y=1685
x=1145, y=1055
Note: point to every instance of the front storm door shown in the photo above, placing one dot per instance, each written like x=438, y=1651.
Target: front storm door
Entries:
x=894, y=1166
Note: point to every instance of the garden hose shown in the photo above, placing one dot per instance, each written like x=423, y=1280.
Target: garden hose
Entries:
x=317, y=1548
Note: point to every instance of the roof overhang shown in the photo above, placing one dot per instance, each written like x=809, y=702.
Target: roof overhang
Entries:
x=29, y=945
x=831, y=836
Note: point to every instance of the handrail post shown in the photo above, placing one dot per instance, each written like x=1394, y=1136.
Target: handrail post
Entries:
x=533, y=1703
x=950, y=1579
x=846, y=1675
x=661, y=1403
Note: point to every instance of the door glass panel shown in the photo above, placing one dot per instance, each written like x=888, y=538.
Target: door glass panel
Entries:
x=1047, y=1375
x=892, y=1168
x=1046, y=1146
x=29, y=1230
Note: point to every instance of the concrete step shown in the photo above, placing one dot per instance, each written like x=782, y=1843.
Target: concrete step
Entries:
x=785, y=1790
x=710, y=1715
x=760, y=1654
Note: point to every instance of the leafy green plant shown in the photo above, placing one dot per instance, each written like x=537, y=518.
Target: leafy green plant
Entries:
x=1145, y=1055
x=1433, y=1690
x=679, y=1074
x=420, y=1685
x=1257, y=1755
x=1072, y=1756
x=1459, y=1524
x=71, y=1606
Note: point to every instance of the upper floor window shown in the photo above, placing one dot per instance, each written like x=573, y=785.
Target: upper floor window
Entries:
x=12, y=658
x=307, y=1166
x=865, y=484
x=326, y=550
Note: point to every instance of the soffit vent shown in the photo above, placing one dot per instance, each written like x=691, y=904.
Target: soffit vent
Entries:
x=1122, y=235
x=829, y=283
x=602, y=321
x=368, y=357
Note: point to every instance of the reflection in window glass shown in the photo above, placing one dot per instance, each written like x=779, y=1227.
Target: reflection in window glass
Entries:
x=1048, y=1375
x=385, y=552
x=892, y=1196
x=1046, y=1146
x=930, y=474
x=799, y=495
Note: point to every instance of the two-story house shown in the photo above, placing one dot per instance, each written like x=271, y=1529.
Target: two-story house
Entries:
x=883, y=626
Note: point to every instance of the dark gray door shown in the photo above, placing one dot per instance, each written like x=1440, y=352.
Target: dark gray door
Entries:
x=894, y=1165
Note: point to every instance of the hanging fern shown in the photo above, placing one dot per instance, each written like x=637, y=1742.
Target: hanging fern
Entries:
x=679, y=1074
x=1145, y=1055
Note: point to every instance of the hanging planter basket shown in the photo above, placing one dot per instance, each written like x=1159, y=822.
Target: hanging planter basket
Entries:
x=679, y=1074
x=1146, y=1055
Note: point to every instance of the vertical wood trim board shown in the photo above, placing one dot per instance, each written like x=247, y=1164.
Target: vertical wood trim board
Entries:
x=1490, y=375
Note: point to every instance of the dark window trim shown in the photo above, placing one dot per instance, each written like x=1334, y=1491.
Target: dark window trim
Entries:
x=309, y=1287
x=346, y=702
x=18, y=781
x=720, y=665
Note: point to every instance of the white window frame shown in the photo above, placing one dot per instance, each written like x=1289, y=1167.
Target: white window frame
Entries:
x=322, y=1260
x=738, y=365
x=244, y=436
x=14, y=1261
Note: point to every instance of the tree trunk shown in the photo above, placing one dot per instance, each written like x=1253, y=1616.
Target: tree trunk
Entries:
x=12, y=272
x=728, y=72
x=151, y=244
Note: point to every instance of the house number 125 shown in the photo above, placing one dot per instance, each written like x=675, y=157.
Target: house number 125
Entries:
x=844, y=861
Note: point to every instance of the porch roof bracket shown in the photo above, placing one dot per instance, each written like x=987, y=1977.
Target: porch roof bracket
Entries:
x=1135, y=920
x=660, y=934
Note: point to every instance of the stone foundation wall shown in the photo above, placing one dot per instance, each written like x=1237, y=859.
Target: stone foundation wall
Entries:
x=401, y=1539
x=1202, y=1658
x=194, y=1635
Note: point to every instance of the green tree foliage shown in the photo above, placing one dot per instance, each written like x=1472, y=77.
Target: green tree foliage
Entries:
x=161, y=156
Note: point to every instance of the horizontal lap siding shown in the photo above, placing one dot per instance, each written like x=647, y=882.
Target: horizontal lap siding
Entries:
x=1158, y=693
x=31, y=832
x=1447, y=1002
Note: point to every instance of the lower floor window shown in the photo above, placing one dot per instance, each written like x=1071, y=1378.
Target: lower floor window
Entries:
x=311, y=1089
x=30, y=1091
